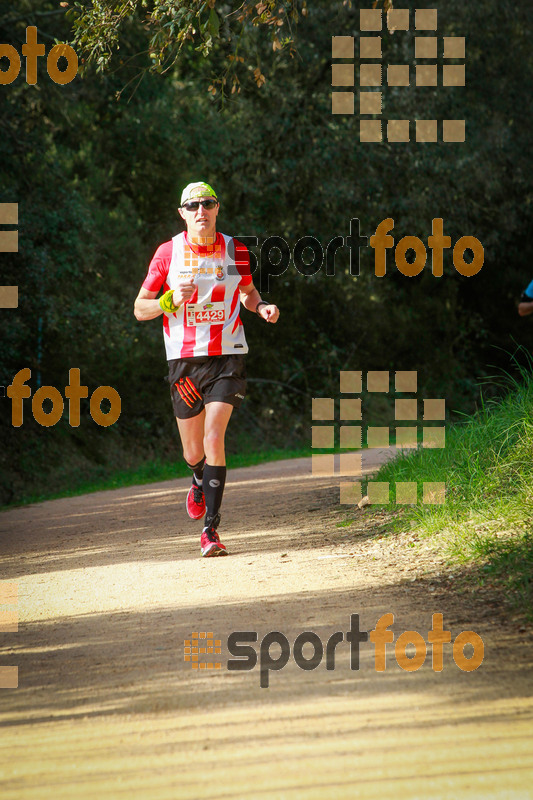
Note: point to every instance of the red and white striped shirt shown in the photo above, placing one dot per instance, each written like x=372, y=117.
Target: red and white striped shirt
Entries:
x=209, y=323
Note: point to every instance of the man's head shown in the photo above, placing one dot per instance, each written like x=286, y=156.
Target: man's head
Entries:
x=199, y=209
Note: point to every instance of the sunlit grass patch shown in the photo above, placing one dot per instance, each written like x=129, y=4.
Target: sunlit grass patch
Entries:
x=487, y=466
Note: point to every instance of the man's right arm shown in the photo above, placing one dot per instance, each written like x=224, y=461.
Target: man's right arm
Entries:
x=146, y=306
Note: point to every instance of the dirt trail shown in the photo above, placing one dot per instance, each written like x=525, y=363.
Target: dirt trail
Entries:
x=111, y=584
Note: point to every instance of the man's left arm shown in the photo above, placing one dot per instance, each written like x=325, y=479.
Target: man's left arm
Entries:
x=251, y=299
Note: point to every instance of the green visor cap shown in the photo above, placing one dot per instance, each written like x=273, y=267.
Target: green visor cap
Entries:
x=194, y=190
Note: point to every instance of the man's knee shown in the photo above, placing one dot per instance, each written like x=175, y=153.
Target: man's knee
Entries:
x=214, y=441
x=193, y=454
x=198, y=465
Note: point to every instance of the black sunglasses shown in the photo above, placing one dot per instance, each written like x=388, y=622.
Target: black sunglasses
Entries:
x=194, y=204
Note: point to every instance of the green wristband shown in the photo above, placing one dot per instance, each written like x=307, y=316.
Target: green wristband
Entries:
x=166, y=302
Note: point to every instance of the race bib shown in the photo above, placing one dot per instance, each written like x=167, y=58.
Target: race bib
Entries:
x=205, y=313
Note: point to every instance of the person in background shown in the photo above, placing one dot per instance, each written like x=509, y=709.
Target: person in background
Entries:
x=525, y=305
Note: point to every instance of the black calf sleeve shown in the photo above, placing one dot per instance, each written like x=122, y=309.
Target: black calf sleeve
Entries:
x=213, y=486
x=198, y=469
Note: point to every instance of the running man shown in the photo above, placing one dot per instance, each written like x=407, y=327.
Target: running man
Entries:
x=205, y=276
x=525, y=305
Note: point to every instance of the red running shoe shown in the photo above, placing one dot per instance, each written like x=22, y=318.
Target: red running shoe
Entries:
x=210, y=541
x=195, y=502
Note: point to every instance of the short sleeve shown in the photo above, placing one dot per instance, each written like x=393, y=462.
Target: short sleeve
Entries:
x=158, y=269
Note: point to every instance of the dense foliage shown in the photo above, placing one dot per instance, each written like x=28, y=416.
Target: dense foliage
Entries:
x=96, y=167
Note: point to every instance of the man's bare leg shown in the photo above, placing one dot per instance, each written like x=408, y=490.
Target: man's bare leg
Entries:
x=217, y=416
x=192, y=439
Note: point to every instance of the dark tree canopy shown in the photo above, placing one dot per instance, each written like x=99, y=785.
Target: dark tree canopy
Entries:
x=96, y=167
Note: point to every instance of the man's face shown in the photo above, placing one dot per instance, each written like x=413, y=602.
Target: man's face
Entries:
x=200, y=221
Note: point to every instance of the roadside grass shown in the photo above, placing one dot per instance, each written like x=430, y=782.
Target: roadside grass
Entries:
x=154, y=471
x=487, y=519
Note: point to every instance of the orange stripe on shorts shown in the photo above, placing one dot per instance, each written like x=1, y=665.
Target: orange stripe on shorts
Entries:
x=193, y=388
x=183, y=395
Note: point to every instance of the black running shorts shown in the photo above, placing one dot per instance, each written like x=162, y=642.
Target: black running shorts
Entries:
x=194, y=382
